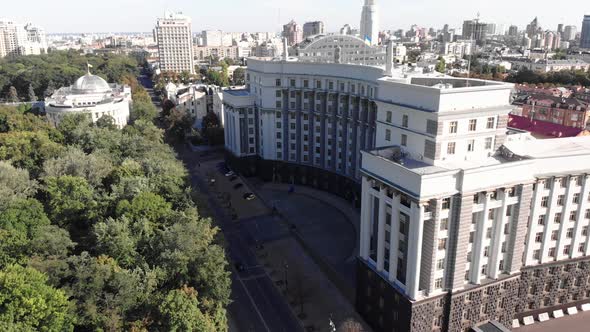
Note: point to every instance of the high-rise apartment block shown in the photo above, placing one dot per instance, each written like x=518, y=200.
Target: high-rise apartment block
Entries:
x=21, y=39
x=569, y=33
x=513, y=31
x=293, y=32
x=173, y=33
x=585, y=37
x=313, y=28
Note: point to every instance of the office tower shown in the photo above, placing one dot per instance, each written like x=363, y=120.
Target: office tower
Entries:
x=370, y=23
x=173, y=33
x=212, y=38
x=569, y=33
x=513, y=31
x=475, y=30
x=293, y=32
x=533, y=28
x=313, y=28
x=585, y=37
x=560, y=28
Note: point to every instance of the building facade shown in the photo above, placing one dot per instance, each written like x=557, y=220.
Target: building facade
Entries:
x=20, y=39
x=313, y=28
x=370, y=23
x=462, y=220
x=569, y=33
x=221, y=52
x=585, y=37
x=173, y=34
x=475, y=30
x=350, y=49
x=293, y=32
x=93, y=96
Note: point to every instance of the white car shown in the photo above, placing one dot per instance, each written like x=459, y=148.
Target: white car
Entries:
x=230, y=173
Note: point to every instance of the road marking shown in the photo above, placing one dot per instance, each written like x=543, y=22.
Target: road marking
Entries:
x=254, y=304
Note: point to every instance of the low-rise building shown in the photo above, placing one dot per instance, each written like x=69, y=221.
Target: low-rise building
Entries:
x=545, y=66
x=93, y=96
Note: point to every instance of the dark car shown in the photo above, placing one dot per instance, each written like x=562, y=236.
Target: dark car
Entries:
x=238, y=185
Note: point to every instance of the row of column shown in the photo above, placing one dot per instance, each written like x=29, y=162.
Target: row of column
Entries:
x=414, y=240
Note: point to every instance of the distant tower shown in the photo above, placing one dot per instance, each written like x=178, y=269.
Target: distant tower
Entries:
x=370, y=23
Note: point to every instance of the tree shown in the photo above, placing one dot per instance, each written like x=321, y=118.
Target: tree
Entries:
x=32, y=96
x=180, y=312
x=12, y=95
x=50, y=88
x=176, y=125
x=93, y=167
x=239, y=77
x=28, y=303
x=106, y=121
x=14, y=184
x=441, y=65
x=70, y=201
x=142, y=110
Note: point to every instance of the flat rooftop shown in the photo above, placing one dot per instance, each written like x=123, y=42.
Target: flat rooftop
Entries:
x=550, y=148
x=448, y=82
x=238, y=92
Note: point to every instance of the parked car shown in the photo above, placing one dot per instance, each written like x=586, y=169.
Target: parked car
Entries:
x=249, y=196
x=230, y=174
x=238, y=185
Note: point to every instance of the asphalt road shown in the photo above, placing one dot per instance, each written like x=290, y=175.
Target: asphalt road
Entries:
x=257, y=305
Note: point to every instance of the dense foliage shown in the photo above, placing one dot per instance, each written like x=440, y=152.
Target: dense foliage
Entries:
x=98, y=230
x=30, y=77
x=564, y=77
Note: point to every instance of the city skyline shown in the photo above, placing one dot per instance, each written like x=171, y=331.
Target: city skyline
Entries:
x=264, y=15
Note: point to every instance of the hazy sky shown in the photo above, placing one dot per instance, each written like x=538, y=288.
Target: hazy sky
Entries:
x=263, y=15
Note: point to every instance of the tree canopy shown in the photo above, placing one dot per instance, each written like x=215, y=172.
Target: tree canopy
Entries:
x=98, y=228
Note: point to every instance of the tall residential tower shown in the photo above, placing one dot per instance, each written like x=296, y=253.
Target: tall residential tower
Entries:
x=370, y=23
x=173, y=33
x=585, y=38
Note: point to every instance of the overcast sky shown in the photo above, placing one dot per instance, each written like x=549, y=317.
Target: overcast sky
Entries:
x=263, y=15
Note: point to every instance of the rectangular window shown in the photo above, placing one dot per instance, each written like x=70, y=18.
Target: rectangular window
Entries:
x=279, y=93
x=451, y=148
x=557, y=218
x=470, y=145
x=438, y=283
x=472, y=124
x=490, y=124
x=573, y=215
x=541, y=220
x=404, y=140
x=305, y=83
x=453, y=127
x=442, y=244
x=388, y=117
x=278, y=82
x=537, y=254
x=566, y=250
x=551, y=252
x=544, y=201
x=484, y=269
x=405, y=121
x=576, y=198
x=539, y=237
x=554, y=235
x=279, y=104
x=489, y=141
x=440, y=264
x=560, y=200
x=446, y=203
x=570, y=233
x=388, y=135
x=444, y=224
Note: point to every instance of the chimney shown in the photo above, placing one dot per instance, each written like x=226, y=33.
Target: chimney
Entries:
x=285, y=49
x=389, y=59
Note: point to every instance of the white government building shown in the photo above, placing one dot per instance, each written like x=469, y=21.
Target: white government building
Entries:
x=91, y=95
x=463, y=221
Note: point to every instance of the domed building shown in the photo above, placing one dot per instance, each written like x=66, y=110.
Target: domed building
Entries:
x=92, y=95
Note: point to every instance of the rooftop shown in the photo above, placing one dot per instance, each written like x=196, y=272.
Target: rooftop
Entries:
x=238, y=93
x=550, y=148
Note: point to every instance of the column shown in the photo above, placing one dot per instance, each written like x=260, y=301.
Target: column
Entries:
x=549, y=222
x=582, y=205
x=518, y=229
x=381, y=230
x=478, y=245
x=562, y=239
x=530, y=239
x=496, y=245
x=394, y=238
x=366, y=207
x=415, y=250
